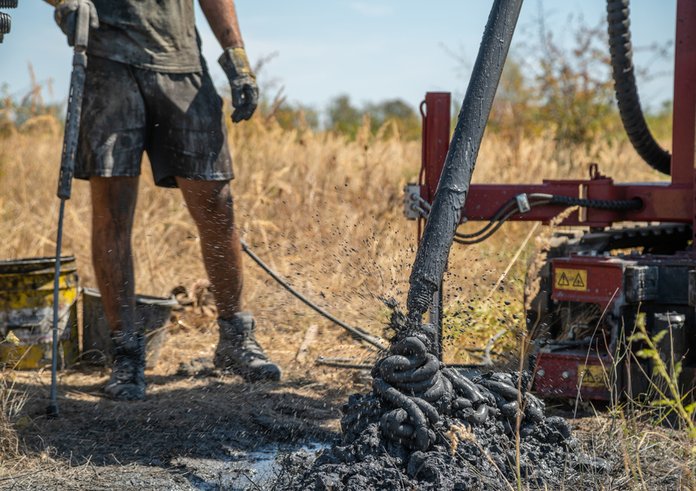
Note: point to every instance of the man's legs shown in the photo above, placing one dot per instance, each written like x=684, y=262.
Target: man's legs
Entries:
x=210, y=205
x=113, y=208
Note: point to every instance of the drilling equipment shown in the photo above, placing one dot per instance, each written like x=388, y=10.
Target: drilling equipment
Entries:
x=626, y=257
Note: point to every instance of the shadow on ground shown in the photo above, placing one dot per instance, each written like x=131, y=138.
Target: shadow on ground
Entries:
x=203, y=417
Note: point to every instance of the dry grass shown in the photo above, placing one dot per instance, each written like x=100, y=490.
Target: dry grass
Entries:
x=12, y=403
x=325, y=212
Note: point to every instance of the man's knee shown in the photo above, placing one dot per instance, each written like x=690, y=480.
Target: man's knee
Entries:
x=222, y=198
x=113, y=203
x=209, y=200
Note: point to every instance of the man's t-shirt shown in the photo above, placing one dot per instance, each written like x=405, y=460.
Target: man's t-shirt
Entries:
x=156, y=34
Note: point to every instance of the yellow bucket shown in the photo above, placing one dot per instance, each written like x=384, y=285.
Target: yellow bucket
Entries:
x=26, y=312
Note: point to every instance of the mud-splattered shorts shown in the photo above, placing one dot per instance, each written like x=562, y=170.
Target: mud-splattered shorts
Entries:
x=176, y=118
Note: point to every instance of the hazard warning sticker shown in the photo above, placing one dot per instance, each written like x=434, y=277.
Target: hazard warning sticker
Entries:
x=591, y=376
x=570, y=279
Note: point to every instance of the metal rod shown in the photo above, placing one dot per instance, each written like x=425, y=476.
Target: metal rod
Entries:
x=433, y=250
x=343, y=363
x=52, y=410
x=435, y=319
x=67, y=169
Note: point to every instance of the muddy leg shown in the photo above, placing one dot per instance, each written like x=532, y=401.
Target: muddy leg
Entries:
x=113, y=207
x=210, y=205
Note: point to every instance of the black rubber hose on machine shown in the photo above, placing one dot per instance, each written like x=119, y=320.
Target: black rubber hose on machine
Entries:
x=5, y=23
x=621, y=50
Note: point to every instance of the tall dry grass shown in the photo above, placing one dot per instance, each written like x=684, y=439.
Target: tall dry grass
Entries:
x=323, y=211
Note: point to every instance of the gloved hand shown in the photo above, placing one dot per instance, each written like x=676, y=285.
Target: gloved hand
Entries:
x=245, y=92
x=66, y=17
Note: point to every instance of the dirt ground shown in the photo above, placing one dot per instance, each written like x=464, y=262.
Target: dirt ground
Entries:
x=197, y=426
x=202, y=430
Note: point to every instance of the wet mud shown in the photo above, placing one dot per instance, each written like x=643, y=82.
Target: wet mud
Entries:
x=426, y=426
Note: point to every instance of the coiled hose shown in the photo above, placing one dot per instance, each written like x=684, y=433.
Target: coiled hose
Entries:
x=5, y=24
x=419, y=394
x=632, y=117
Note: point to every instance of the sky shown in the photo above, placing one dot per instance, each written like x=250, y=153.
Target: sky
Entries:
x=371, y=50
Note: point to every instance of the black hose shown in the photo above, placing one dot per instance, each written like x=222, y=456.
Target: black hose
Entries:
x=625, y=86
x=540, y=199
x=600, y=204
x=5, y=23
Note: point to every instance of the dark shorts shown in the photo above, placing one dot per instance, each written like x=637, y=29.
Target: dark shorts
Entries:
x=176, y=118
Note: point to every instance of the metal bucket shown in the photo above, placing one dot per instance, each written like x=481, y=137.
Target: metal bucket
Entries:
x=152, y=314
x=26, y=312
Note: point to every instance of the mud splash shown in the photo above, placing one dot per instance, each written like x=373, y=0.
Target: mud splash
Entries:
x=426, y=426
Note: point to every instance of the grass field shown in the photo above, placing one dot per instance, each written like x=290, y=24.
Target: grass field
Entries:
x=323, y=211
x=326, y=213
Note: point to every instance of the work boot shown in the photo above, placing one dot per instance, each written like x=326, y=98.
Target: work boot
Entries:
x=239, y=352
x=127, y=382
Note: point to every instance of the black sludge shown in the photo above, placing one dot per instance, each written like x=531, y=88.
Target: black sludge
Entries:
x=460, y=436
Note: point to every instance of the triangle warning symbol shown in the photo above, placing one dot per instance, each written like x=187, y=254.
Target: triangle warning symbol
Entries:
x=563, y=280
x=577, y=282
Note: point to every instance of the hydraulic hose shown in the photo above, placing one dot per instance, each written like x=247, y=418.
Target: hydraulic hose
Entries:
x=621, y=50
x=5, y=23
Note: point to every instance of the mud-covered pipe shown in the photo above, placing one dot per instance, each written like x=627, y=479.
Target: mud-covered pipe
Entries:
x=433, y=250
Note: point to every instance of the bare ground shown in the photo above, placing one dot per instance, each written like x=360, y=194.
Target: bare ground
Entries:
x=199, y=429
x=196, y=428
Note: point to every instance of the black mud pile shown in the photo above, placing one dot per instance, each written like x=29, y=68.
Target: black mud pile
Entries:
x=425, y=426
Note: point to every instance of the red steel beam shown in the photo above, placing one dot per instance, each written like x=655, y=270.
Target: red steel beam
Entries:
x=661, y=203
x=436, y=137
x=684, y=114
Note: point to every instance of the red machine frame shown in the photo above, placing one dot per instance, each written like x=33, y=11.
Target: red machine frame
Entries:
x=673, y=201
x=662, y=201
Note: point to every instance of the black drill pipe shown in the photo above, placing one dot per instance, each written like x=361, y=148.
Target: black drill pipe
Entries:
x=453, y=187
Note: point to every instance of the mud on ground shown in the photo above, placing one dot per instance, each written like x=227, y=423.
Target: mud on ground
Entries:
x=199, y=429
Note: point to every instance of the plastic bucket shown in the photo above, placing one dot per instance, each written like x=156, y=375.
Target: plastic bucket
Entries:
x=26, y=312
x=152, y=314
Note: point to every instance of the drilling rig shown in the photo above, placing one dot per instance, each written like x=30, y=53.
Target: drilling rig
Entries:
x=626, y=255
